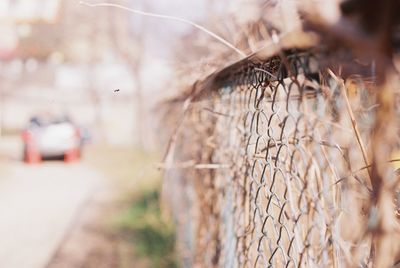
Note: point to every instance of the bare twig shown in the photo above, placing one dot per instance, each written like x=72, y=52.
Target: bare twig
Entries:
x=369, y=166
x=191, y=164
x=353, y=121
x=168, y=17
x=353, y=174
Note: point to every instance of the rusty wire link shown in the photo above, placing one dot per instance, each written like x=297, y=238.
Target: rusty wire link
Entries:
x=286, y=188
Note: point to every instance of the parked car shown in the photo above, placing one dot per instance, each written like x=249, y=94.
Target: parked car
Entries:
x=51, y=138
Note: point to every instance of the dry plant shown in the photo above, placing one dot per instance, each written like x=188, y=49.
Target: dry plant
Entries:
x=284, y=158
x=281, y=139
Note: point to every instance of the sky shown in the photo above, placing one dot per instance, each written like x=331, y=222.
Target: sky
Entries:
x=167, y=31
x=157, y=66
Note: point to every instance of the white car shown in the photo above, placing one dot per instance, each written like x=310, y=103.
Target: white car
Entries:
x=51, y=138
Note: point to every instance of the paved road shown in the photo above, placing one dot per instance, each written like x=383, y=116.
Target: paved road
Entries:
x=37, y=205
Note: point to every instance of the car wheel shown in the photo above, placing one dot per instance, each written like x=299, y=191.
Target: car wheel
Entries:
x=31, y=156
x=71, y=155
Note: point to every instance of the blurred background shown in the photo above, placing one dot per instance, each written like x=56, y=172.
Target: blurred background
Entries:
x=91, y=63
x=78, y=85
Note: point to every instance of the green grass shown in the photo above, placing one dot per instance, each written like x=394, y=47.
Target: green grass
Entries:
x=11, y=132
x=138, y=220
x=131, y=169
x=152, y=236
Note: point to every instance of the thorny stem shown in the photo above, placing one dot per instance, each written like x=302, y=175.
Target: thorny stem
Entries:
x=168, y=17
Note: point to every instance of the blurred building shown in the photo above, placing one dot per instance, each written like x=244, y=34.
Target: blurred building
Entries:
x=59, y=56
x=29, y=10
x=16, y=18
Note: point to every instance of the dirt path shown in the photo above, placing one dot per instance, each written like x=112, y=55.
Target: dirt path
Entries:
x=38, y=204
x=90, y=241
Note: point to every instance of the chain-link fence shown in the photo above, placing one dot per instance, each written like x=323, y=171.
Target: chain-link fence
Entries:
x=271, y=166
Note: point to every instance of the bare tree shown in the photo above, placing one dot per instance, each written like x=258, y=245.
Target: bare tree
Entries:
x=129, y=42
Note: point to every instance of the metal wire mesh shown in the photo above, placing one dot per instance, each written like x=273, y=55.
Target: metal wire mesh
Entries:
x=268, y=169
